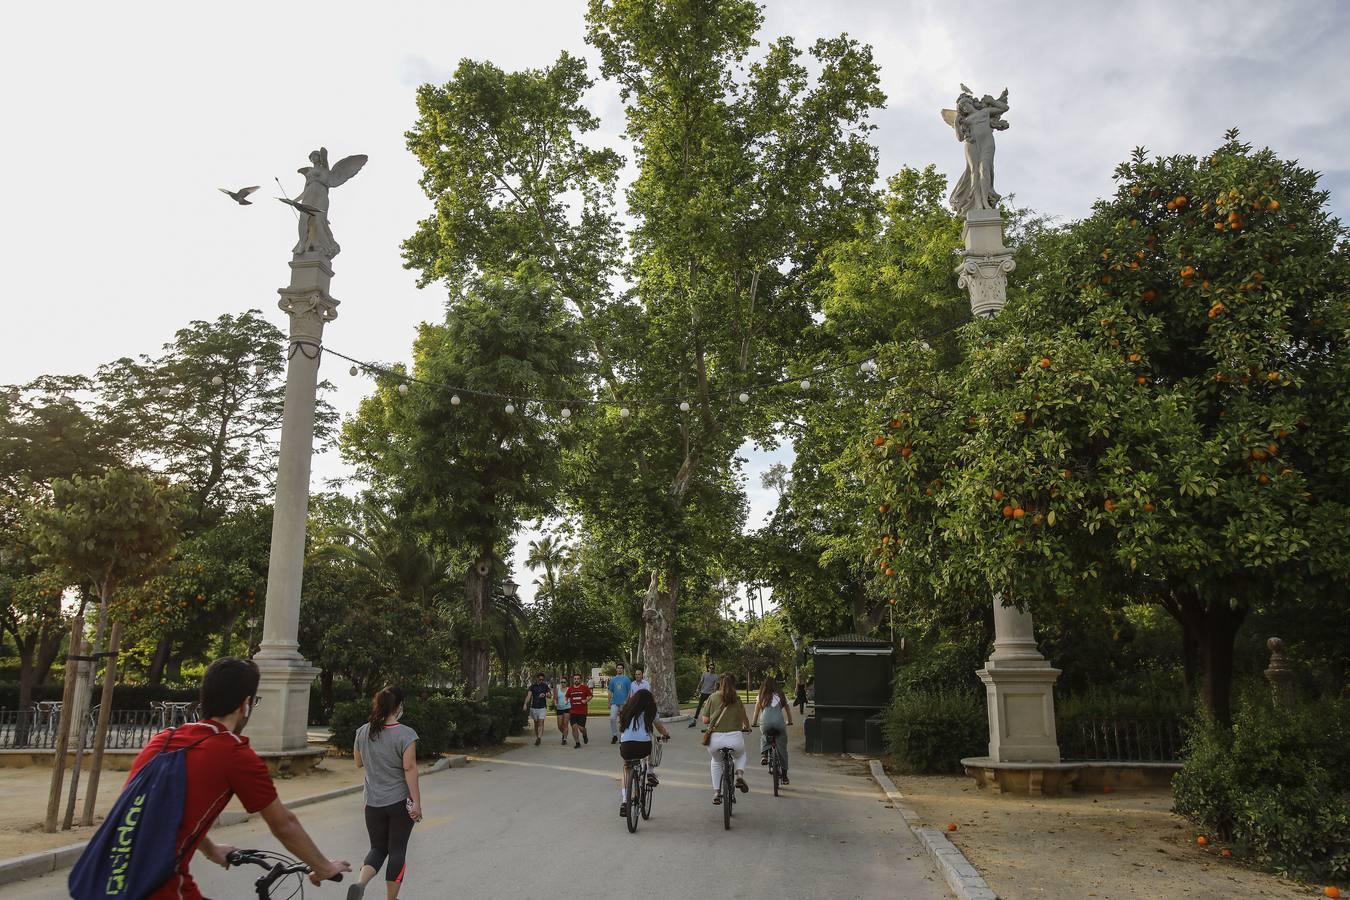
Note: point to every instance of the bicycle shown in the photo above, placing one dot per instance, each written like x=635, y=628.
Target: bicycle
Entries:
x=775, y=761
x=640, y=788
x=278, y=865
x=728, y=785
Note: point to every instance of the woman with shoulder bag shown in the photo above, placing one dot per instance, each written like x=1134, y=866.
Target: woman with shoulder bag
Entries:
x=726, y=719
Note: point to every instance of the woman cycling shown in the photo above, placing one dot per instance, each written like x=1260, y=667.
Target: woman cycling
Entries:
x=726, y=719
x=773, y=707
x=561, y=707
x=637, y=718
x=388, y=753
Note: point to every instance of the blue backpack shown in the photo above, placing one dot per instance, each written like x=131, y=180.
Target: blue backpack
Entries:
x=135, y=850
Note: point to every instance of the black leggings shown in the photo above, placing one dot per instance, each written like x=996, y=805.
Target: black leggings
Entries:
x=389, y=828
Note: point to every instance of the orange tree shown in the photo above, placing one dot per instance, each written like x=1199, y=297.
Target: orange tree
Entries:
x=1160, y=416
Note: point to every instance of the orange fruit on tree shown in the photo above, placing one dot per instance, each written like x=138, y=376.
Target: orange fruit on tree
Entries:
x=1045, y=362
x=1180, y=201
x=998, y=495
x=882, y=509
x=1331, y=891
x=1134, y=357
x=1202, y=840
x=1019, y=513
x=1272, y=376
x=1140, y=380
x=1066, y=472
x=1110, y=505
x=1008, y=512
x=1149, y=294
x=906, y=450
x=1148, y=507
x=878, y=441
x=889, y=571
x=1273, y=205
x=1263, y=478
x=951, y=826
x=1226, y=853
x=1187, y=271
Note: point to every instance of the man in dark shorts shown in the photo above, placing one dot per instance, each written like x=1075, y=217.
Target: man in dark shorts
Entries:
x=579, y=695
x=536, y=701
x=221, y=766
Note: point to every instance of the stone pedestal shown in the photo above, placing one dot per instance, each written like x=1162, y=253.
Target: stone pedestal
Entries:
x=986, y=263
x=279, y=722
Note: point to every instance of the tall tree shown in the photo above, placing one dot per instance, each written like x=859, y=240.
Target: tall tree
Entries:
x=207, y=411
x=554, y=557
x=467, y=469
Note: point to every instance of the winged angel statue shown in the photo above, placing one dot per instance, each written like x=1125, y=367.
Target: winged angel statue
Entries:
x=316, y=234
x=975, y=122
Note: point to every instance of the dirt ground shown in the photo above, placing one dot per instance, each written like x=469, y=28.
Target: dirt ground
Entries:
x=1123, y=844
x=25, y=792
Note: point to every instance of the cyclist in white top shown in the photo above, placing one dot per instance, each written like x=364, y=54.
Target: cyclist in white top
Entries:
x=638, y=719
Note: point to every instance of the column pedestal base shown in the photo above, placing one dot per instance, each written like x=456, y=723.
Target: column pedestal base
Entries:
x=1021, y=712
x=280, y=723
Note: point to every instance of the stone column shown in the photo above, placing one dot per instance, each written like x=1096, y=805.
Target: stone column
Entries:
x=279, y=722
x=1018, y=681
x=1280, y=674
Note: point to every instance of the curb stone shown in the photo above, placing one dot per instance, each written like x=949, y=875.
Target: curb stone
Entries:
x=34, y=865
x=961, y=877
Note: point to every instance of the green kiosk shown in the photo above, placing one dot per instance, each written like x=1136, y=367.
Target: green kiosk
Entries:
x=853, y=688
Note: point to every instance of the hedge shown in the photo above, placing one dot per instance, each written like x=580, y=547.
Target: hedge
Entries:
x=931, y=731
x=126, y=696
x=1277, y=786
x=443, y=721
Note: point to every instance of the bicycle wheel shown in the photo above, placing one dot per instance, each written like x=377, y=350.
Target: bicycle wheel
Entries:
x=774, y=766
x=647, y=792
x=635, y=785
x=728, y=788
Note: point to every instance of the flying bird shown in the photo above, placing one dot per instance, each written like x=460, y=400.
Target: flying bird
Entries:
x=240, y=196
x=303, y=207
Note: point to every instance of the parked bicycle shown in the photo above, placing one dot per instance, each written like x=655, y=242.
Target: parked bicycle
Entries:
x=279, y=868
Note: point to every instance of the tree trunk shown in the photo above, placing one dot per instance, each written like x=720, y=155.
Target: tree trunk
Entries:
x=1216, y=652
x=227, y=636
x=155, y=674
x=174, y=670
x=658, y=651
x=473, y=654
x=49, y=648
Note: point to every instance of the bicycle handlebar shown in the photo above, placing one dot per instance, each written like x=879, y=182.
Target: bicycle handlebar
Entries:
x=278, y=869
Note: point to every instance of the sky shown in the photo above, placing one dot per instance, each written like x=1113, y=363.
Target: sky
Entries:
x=122, y=119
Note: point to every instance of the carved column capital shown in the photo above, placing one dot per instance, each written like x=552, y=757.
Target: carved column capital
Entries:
x=986, y=278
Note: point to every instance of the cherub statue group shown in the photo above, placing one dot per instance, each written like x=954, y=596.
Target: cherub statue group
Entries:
x=975, y=122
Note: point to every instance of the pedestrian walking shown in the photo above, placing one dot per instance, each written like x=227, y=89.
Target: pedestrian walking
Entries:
x=726, y=719
x=772, y=707
x=619, y=688
x=561, y=705
x=706, y=686
x=536, y=701
x=387, y=751
x=640, y=682
x=579, y=699
x=800, y=700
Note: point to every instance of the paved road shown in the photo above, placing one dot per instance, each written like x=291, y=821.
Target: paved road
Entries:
x=544, y=822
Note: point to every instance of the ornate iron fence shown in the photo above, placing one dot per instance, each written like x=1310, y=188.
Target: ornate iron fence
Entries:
x=32, y=729
x=1123, y=739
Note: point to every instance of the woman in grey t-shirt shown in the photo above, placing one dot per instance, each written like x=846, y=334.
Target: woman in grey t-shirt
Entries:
x=388, y=753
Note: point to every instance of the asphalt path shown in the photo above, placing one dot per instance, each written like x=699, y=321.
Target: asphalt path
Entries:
x=544, y=822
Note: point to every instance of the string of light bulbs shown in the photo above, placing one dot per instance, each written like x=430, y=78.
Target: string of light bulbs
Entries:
x=458, y=392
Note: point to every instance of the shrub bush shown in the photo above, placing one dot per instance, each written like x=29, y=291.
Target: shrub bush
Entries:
x=1277, y=786
x=688, y=670
x=930, y=731
x=442, y=721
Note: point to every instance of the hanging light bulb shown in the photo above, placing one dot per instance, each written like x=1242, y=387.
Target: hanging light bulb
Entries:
x=510, y=409
x=624, y=413
x=454, y=400
x=353, y=370
x=868, y=366
x=744, y=397
x=566, y=413
x=684, y=406
x=806, y=384
x=403, y=390
x=217, y=380
x=165, y=391
x=259, y=369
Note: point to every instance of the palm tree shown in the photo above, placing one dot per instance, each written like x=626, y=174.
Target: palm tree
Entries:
x=554, y=557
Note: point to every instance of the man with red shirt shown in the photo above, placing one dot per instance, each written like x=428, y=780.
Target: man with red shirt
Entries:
x=579, y=695
x=221, y=766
